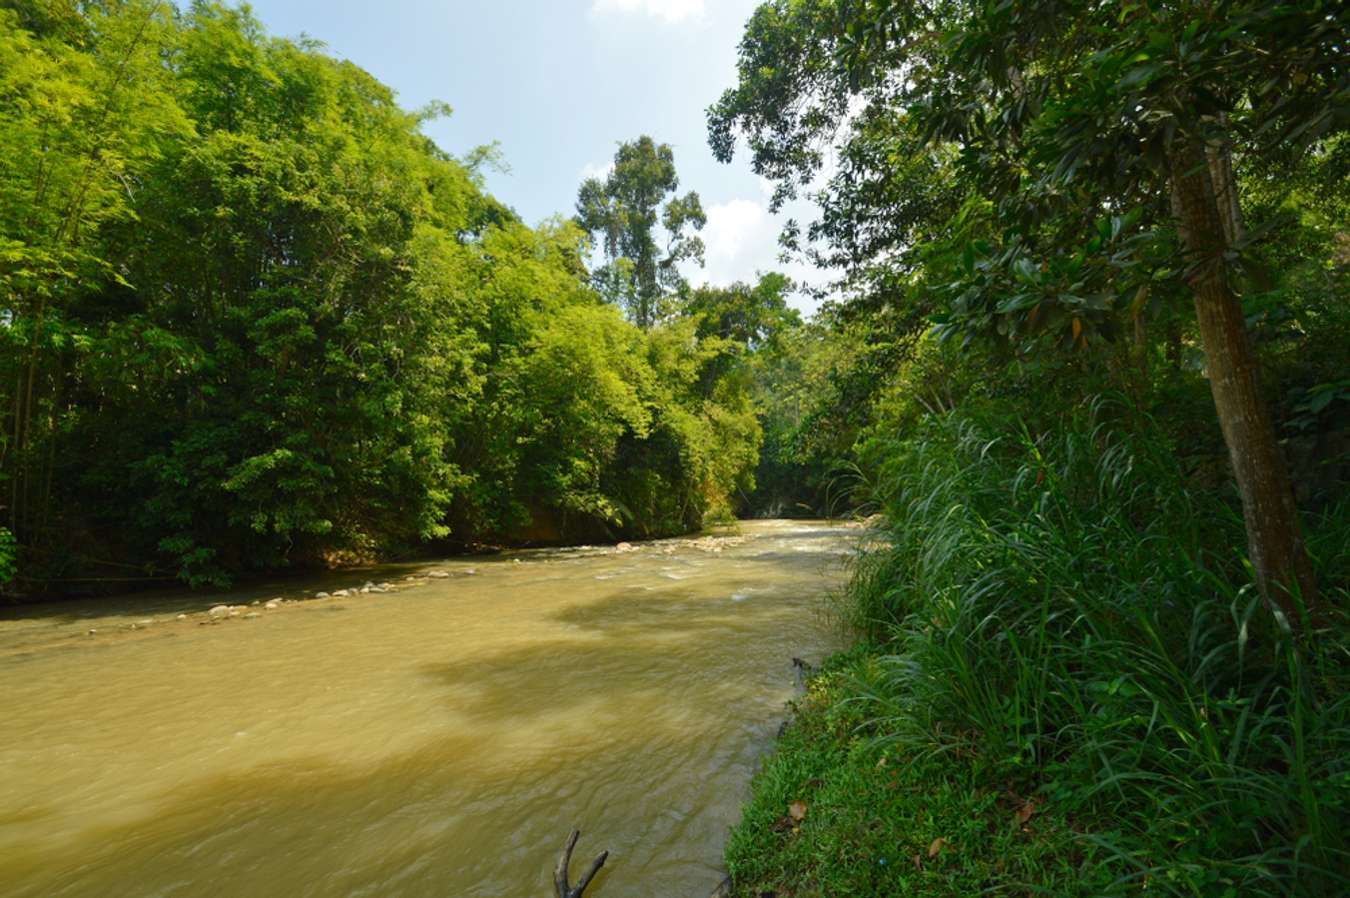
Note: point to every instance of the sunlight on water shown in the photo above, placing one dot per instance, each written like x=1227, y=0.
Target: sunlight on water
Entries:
x=438, y=739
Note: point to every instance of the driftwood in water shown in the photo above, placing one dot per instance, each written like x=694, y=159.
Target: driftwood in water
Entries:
x=564, y=860
x=565, y=890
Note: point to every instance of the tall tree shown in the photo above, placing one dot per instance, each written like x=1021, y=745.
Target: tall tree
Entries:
x=1092, y=148
x=623, y=212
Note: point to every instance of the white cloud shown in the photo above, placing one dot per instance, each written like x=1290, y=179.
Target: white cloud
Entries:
x=670, y=12
x=741, y=241
x=595, y=170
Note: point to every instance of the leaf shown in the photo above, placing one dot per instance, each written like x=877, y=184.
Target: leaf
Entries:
x=1077, y=328
x=797, y=810
x=1024, y=813
x=934, y=848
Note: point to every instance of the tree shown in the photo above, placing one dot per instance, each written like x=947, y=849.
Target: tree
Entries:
x=75, y=128
x=1091, y=148
x=623, y=212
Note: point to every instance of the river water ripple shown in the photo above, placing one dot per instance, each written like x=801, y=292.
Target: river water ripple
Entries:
x=438, y=739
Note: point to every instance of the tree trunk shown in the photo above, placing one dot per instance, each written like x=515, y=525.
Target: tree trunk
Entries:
x=1274, y=540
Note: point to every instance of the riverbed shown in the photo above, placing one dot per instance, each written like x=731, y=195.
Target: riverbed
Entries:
x=437, y=734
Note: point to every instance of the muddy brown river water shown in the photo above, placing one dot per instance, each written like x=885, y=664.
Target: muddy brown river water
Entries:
x=438, y=739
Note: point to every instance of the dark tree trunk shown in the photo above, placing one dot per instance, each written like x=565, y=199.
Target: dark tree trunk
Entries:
x=1274, y=540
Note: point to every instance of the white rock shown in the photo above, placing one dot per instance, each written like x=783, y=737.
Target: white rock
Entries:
x=219, y=611
x=251, y=614
x=181, y=617
x=439, y=575
x=320, y=595
x=271, y=606
x=342, y=592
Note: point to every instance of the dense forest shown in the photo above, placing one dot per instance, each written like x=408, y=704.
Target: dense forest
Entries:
x=253, y=317
x=1089, y=360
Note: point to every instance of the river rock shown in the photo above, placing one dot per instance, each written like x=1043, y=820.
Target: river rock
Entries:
x=272, y=606
x=219, y=611
x=181, y=617
x=439, y=575
x=320, y=595
x=343, y=592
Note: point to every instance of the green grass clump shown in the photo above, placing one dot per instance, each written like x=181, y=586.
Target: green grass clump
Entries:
x=1062, y=617
x=873, y=817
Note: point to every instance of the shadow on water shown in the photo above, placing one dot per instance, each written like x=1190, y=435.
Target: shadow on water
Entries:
x=411, y=825
x=637, y=716
x=634, y=651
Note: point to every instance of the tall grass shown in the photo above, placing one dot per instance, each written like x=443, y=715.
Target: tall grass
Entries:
x=1064, y=610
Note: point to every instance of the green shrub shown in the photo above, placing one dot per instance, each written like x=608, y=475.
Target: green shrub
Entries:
x=1061, y=609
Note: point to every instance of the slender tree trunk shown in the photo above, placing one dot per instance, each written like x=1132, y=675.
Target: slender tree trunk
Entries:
x=1274, y=539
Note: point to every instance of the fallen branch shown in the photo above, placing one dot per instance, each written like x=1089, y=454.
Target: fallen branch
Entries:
x=565, y=860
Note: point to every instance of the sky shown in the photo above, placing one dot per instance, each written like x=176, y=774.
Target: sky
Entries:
x=559, y=84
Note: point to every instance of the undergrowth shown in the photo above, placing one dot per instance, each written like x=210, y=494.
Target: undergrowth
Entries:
x=1067, y=674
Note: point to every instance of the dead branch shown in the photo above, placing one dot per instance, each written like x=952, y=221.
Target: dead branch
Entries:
x=564, y=890
x=564, y=860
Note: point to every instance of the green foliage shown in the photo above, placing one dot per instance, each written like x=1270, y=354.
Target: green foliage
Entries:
x=251, y=316
x=9, y=556
x=1062, y=609
x=624, y=211
x=874, y=816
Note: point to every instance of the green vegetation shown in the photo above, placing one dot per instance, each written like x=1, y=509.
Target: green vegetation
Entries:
x=250, y=316
x=1090, y=349
x=1088, y=360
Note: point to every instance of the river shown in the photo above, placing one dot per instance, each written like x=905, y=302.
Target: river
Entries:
x=437, y=739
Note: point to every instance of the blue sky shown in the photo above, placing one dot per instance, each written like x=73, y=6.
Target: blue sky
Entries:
x=558, y=83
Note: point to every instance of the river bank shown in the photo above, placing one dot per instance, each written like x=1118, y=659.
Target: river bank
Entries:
x=831, y=813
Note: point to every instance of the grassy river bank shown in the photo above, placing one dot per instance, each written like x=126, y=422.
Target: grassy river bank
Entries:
x=1063, y=684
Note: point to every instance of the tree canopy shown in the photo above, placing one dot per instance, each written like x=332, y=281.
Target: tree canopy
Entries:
x=629, y=214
